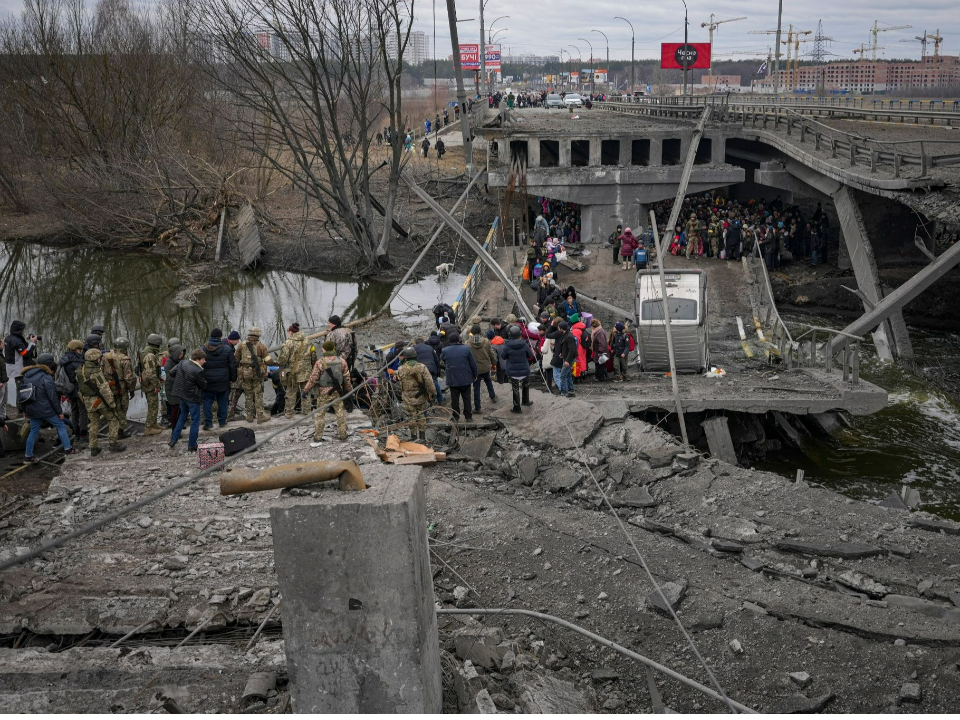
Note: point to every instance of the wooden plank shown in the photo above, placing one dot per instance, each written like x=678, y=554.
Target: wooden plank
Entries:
x=248, y=237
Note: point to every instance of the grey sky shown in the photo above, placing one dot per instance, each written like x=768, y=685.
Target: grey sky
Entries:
x=542, y=27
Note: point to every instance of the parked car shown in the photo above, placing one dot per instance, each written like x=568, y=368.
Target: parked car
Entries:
x=553, y=101
x=573, y=99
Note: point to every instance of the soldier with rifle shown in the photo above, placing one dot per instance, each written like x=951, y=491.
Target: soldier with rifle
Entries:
x=332, y=375
x=98, y=399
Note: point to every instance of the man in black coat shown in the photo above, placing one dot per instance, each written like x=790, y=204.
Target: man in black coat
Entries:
x=564, y=355
x=220, y=370
x=19, y=351
x=189, y=385
x=71, y=361
x=461, y=374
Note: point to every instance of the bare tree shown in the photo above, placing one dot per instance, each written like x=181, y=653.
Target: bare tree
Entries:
x=310, y=83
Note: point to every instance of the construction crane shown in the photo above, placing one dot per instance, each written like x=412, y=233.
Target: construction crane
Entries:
x=877, y=29
x=793, y=39
x=864, y=48
x=713, y=25
x=923, y=44
x=776, y=80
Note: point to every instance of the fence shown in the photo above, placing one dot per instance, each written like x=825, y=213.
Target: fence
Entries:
x=474, y=278
x=799, y=352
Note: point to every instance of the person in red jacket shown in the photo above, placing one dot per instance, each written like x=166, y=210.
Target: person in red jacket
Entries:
x=628, y=243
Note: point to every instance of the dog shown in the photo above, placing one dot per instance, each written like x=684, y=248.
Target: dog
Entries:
x=443, y=269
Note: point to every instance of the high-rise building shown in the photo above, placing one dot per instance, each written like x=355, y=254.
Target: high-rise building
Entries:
x=865, y=77
x=417, y=50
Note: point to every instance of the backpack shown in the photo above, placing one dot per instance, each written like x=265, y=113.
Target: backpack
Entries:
x=26, y=394
x=61, y=381
x=586, y=339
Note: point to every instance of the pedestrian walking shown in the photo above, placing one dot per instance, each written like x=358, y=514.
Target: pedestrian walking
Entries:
x=461, y=369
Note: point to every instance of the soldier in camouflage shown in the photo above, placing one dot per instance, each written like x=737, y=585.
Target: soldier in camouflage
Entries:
x=332, y=375
x=150, y=381
x=297, y=358
x=252, y=360
x=343, y=338
x=99, y=400
x=416, y=390
x=118, y=370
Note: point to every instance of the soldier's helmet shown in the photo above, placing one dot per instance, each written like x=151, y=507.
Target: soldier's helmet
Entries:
x=172, y=341
x=93, y=354
x=154, y=340
x=122, y=343
x=254, y=332
x=93, y=340
x=408, y=353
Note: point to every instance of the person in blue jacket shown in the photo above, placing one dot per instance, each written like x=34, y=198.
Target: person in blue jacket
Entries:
x=43, y=406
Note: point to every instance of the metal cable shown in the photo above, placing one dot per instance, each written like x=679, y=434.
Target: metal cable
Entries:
x=603, y=641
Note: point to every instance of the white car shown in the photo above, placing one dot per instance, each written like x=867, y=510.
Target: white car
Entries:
x=573, y=99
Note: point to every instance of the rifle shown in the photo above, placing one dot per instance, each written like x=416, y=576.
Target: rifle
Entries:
x=90, y=383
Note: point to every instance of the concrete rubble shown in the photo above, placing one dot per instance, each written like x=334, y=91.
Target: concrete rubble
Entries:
x=800, y=600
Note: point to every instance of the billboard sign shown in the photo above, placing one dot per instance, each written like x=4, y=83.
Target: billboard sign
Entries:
x=684, y=56
x=470, y=56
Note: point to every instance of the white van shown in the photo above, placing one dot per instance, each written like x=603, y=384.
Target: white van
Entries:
x=687, y=304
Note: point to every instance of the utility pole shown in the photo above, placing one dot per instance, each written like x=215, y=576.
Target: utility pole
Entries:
x=593, y=82
x=776, y=51
x=461, y=91
x=686, y=25
x=483, y=53
x=633, y=43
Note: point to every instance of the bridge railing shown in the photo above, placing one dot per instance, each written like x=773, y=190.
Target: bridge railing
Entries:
x=832, y=103
x=858, y=150
x=802, y=351
x=474, y=279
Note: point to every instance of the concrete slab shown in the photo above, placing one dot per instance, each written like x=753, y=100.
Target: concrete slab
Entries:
x=613, y=410
x=718, y=439
x=360, y=626
x=550, y=417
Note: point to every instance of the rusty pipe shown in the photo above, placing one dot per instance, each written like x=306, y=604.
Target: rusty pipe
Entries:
x=242, y=480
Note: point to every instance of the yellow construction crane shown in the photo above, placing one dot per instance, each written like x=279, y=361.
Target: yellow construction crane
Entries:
x=864, y=48
x=713, y=25
x=877, y=29
x=793, y=39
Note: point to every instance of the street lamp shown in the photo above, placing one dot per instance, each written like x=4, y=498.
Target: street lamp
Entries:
x=686, y=23
x=580, y=58
x=593, y=84
x=497, y=33
x=633, y=43
x=562, y=51
x=490, y=29
x=608, y=46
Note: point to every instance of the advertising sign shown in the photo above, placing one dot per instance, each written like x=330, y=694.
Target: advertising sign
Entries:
x=680, y=56
x=470, y=56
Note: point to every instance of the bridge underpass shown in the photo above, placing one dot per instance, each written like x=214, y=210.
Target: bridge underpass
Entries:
x=866, y=180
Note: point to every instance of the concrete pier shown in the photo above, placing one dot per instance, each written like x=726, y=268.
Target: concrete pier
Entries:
x=359, y=626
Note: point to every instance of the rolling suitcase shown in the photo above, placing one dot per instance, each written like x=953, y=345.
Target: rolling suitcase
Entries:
x=237, y=440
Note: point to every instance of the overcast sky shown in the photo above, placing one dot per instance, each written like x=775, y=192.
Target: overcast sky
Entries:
x=542, y=27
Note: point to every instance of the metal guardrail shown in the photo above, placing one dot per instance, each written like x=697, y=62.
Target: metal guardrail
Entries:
x=858, y=149
x=475, y=277
x=831, y=104
x=796, y=351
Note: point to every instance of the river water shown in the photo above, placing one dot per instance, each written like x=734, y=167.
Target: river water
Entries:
x=914, y=441
x=61, y=293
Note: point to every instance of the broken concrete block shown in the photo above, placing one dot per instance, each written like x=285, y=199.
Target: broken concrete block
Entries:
x=674, y=592
x=893, y=502
x=604, y=675
x=635, y=497
x=910, y=693
x=547, y=694
x=726, y=546
x=485, y=704
x=705, y=621
x=735, y=647
x=800, y=678
x=863, y=583
x=476, y=448
x=561, y=479
x=802, y=704
x=934, y=525
x=686, y=460
x=527, y=467
x=845, y=550
x=663, y=456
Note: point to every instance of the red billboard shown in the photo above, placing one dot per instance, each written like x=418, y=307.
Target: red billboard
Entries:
x=684, y=56
x=470, y=57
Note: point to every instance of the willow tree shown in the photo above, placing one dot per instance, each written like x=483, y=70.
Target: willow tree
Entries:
x=310, y=82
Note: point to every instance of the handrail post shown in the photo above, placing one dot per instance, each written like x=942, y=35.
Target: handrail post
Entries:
x=856, y=362
x=923, y=161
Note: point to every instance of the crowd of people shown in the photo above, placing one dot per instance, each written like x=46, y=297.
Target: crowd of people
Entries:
x=715, y=227
x=97, y=381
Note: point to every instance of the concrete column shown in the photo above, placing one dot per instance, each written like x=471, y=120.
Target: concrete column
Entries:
x=598, y=221
x=565, y=152
x=626, y=151
x=656, y=151
x=718, y=153
x=594, y=152
x=885, y=337
x=533, y=152
x=359, y=622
